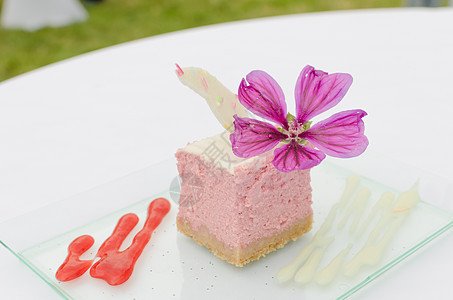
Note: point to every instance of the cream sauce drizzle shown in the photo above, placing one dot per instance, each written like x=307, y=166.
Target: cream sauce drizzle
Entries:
x=356, y=208
x=287, y=272
x=373, y=250
x=391, y=218
x=384, y=203
x=327, y=275
x=306, y=273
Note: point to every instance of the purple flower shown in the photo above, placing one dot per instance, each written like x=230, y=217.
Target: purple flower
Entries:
x=301, y=147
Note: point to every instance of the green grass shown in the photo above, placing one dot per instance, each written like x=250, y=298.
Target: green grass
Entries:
x=116, y=21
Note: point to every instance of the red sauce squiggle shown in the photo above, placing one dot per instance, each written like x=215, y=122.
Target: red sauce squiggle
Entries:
x=116, y=267
x=73, y=267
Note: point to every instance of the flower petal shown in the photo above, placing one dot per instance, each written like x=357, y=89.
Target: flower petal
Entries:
x=263, y=96
x=341, y=135
x=293, y=156
x=252, y=137
x=316, y=92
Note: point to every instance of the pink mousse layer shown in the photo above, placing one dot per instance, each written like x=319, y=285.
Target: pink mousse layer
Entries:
x=254, y=201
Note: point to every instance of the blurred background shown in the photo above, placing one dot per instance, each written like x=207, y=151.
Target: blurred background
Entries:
x=35, y=33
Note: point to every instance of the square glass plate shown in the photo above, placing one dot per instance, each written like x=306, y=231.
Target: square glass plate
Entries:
x=173, y=266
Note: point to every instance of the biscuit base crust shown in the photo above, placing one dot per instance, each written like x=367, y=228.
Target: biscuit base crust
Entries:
x=240, y=256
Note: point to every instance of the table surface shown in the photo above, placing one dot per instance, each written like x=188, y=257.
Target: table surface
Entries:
x=84, y=121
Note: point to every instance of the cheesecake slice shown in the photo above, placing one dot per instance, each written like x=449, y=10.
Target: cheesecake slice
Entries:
x=240, y=208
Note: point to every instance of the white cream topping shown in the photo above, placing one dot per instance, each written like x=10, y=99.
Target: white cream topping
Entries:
x=218, y=149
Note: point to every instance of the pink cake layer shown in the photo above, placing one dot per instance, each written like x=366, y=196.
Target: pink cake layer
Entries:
x=247, y=202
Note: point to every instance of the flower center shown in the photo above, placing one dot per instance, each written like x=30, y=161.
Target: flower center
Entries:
x=294, y=129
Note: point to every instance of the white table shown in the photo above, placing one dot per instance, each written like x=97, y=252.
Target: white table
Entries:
x=73, y=125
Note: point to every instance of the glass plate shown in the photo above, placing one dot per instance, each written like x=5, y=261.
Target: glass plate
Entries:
x=173, y=266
